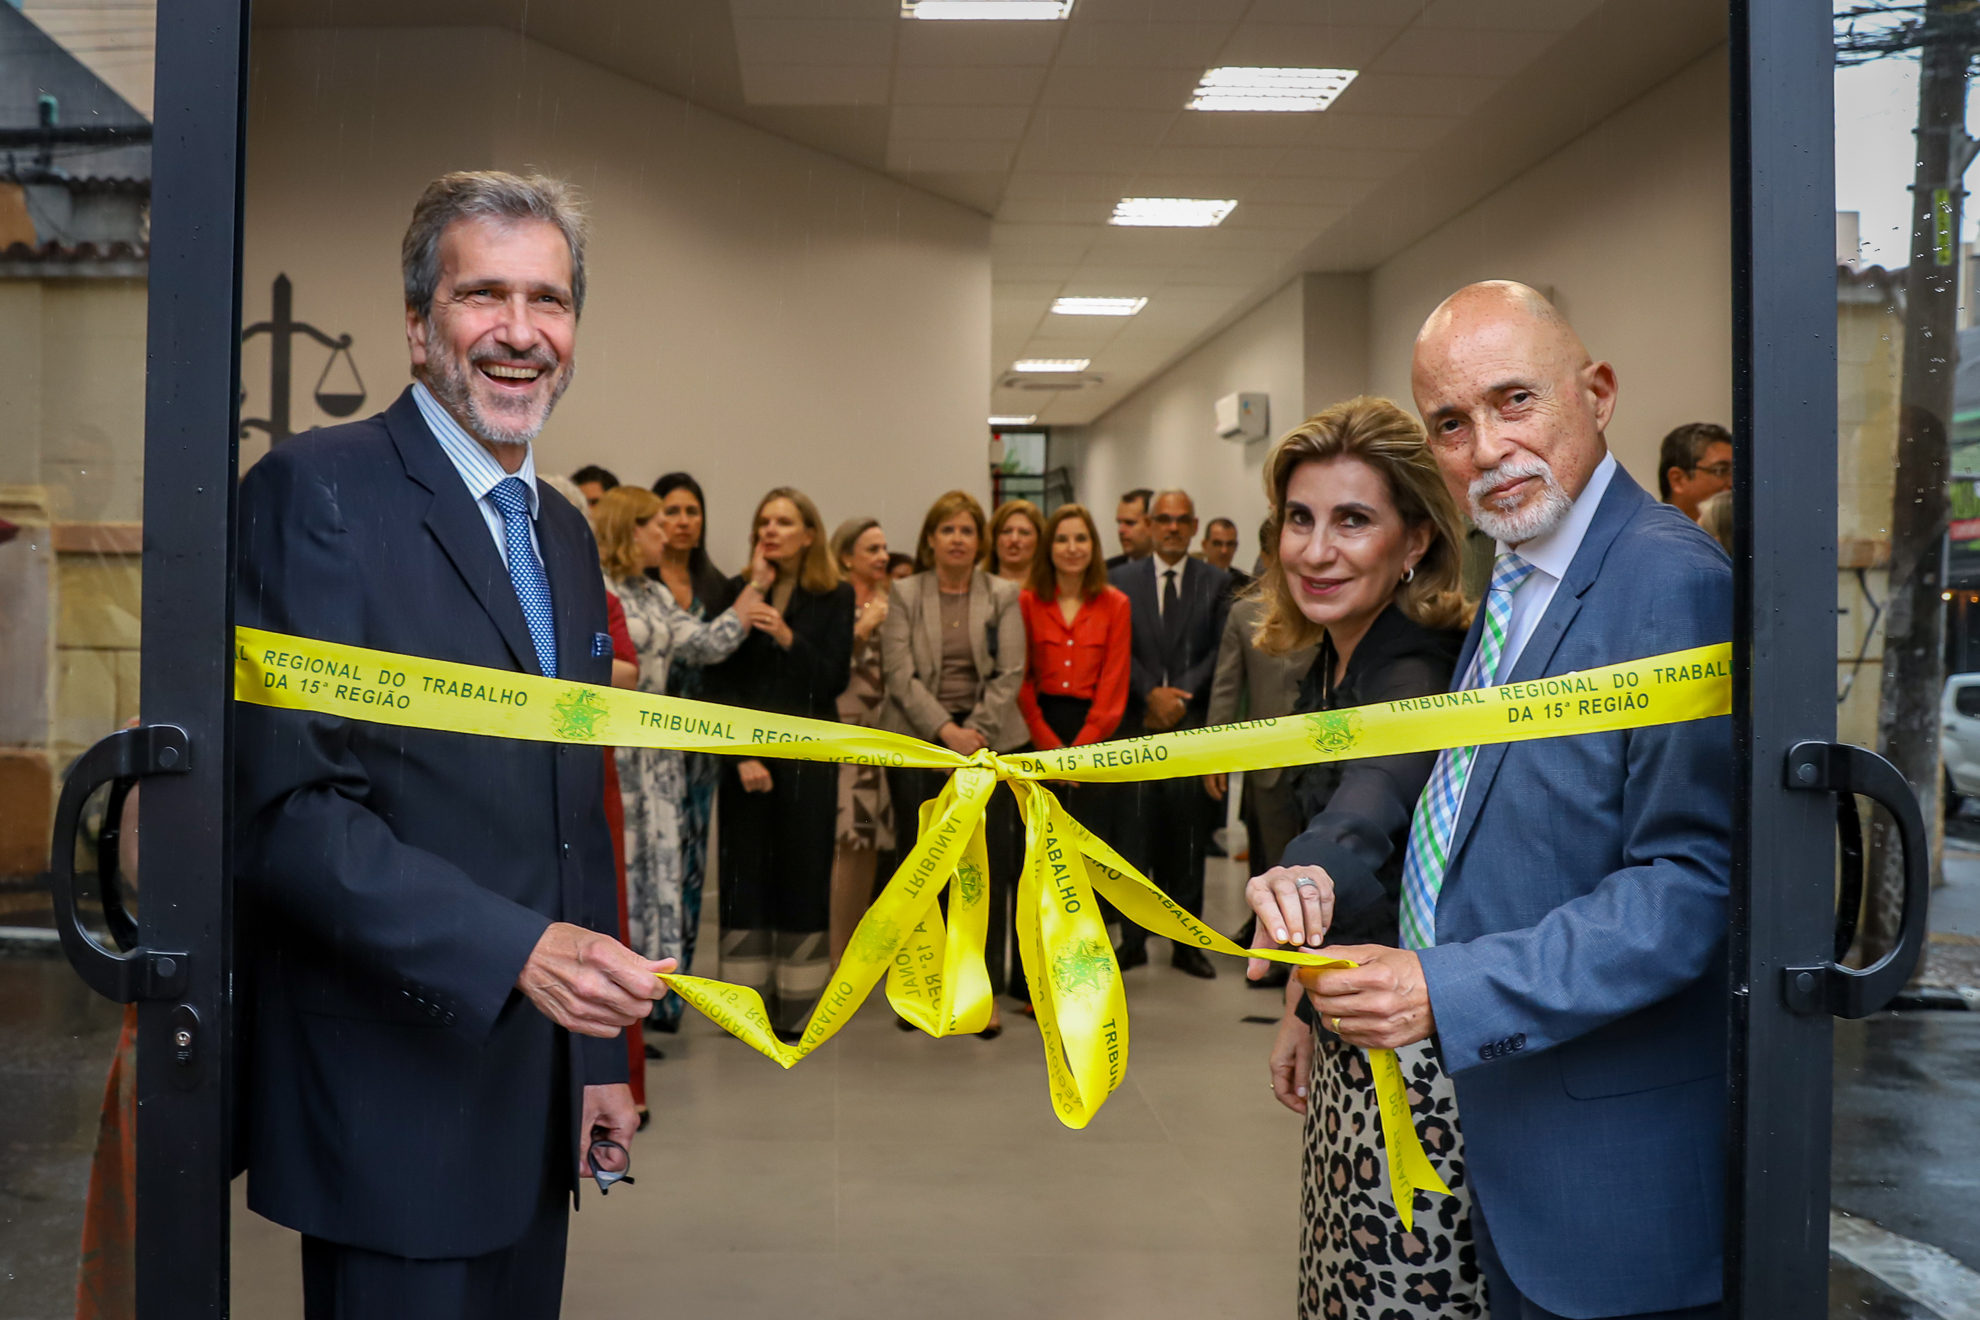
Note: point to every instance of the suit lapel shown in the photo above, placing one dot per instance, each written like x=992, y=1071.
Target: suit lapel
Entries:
x=928, y=610
x=460, y=529
x=980, y=605
x=1620, y=503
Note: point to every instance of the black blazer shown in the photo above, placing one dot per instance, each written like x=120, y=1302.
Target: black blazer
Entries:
x=805, y=680
x=1179, y=651
x=1358, y=812
x=394, y=881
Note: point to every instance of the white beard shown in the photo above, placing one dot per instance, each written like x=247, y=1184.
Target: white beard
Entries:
x=1537, y=516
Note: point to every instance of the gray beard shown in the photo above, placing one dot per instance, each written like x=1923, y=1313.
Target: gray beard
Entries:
x=1540, y=514
x=447, y=378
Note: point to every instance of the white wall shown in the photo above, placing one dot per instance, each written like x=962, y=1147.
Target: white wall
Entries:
x=760, y=314
x=1164, y=434
x=1629, y=226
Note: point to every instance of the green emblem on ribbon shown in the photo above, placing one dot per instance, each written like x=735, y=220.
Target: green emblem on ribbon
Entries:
x=1333, y=731
x=969, y=882
x=579, y=715
x=874, y=939
x=1084, y=969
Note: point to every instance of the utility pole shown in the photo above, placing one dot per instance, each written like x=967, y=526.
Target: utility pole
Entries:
x=1944, y=33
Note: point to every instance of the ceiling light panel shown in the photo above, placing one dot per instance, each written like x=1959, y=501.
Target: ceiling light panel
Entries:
x=988, y=10
x=1240, y=88
x=1098, y=306
x=1050, y=364
x=1014, y=421
x=1172, y=212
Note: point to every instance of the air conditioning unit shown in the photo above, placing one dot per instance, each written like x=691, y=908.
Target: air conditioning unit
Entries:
x=1242, y=418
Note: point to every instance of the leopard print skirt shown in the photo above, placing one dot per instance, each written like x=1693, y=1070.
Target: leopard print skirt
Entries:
x=1355, y=1260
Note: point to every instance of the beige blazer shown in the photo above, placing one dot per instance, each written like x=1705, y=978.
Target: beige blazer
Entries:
x=911, y=657
x=1271, y=681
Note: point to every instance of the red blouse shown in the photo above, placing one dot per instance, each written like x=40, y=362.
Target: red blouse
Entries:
x=1087, y=659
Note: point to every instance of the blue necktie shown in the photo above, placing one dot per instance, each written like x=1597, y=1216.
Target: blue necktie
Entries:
x=1430, y=832
x=526, y=570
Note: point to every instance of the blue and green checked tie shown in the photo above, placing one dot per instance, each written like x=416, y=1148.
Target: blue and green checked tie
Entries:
x=1437, y=812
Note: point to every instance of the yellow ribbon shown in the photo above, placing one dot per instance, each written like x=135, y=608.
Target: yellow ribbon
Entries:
x=935, y=966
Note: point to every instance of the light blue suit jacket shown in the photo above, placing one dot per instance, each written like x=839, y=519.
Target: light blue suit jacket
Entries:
x=1578, y=978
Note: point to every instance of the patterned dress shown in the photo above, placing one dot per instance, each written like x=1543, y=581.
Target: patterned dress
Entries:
x=866, y=817
x=703, y=770
x=1355, y=1260
x=653, y=781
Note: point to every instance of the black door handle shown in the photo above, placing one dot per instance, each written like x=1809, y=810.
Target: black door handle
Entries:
x=1849, y=992
x=121, y=759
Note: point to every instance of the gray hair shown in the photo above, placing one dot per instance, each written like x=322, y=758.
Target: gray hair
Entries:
x=486, y=195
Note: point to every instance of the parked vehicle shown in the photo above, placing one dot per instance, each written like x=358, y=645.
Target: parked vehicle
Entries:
x=1959, y=720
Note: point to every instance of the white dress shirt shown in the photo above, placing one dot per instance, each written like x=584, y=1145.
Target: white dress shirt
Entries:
x=1550, y=555
x=479, y=469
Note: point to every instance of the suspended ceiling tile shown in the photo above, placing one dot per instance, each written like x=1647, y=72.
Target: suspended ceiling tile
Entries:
x=959, y=122
x=1043, y=185
x=1108, y=280
x=980, y=190
x=1077, y=157
x=1335, y=13
x=1306, y=45
x=1339, y=163
x=1417, y=94
x=1525, y=15
x=1236, y=128
x=1143, y=45
x=1159, y=11
x=876, y=10
x=1308, y=190
x=815, y=84
x=814, y=41
x=1032, y=292
x=919, y=155
x=1096, y=124
x=1211, y=162
x=1381, y=132
x=1305, y=219
x=1119, y=88
x=974, y=85
x=1034, y=267
x=1470, y=50
x=1053, y=210
x=937, y=44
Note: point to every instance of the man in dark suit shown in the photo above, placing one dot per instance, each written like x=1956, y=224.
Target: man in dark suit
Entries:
x=1131, y=524
x=1220, y=547
x=436, y=1010
x=1179, y=608
x=1564, y=901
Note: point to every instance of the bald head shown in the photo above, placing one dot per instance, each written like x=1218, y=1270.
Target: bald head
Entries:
x=1514, y=405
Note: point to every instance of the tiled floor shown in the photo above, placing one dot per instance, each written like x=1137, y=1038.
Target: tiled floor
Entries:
x=894, y=1175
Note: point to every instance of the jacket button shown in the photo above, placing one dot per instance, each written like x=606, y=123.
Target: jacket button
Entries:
x=1485, y=1053
x=1519, y=1041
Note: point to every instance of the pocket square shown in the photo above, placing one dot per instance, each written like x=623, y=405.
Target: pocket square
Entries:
x=601, y=644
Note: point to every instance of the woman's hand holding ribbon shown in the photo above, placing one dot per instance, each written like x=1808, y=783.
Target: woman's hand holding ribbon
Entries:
x=1294, y=906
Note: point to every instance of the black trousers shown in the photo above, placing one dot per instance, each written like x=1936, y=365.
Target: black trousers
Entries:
x=522, y=1281
x=1003, y=840
x=1166, y=834
x=776, y=852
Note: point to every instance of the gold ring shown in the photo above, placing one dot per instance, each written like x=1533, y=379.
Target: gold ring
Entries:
x=1337, y=1026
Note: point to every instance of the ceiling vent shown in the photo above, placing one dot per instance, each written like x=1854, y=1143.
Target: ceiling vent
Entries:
x=1055, y=382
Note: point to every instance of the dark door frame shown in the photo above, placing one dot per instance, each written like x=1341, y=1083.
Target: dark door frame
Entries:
x=1783, y=900
x=1785, y=416
x=191, y=427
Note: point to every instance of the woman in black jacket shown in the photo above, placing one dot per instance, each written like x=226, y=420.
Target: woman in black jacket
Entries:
x=778, y=818
x=1368, y=568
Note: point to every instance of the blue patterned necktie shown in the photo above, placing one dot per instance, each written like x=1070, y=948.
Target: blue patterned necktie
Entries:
x=1437, y=812
x=511, y=497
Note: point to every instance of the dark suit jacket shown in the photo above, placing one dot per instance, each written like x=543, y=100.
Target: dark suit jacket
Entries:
x=805, y=680
x=1179, y=651
x=401, y=1091
x=1579, y=974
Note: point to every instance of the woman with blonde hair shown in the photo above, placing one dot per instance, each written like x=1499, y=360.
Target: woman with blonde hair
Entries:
x=1017, y=531
x=1368, y=568
x=653, y=781
x=952, y=649
x=777, y=817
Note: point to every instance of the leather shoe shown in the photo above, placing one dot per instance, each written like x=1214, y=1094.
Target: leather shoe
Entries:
x=1132, y=955
x=1192, y=962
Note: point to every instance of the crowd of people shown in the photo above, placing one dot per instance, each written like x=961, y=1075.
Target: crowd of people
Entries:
x=444, y=949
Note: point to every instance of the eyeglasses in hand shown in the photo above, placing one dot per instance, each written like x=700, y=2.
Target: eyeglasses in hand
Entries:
x=610, y=1162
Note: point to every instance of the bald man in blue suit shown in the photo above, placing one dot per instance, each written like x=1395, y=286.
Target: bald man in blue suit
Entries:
x=1564, y=901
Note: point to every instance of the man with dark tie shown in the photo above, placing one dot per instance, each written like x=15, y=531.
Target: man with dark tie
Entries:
x=1179, y=608
x=436, y=1009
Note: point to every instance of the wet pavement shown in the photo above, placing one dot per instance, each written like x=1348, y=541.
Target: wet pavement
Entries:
x=56, y=1039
